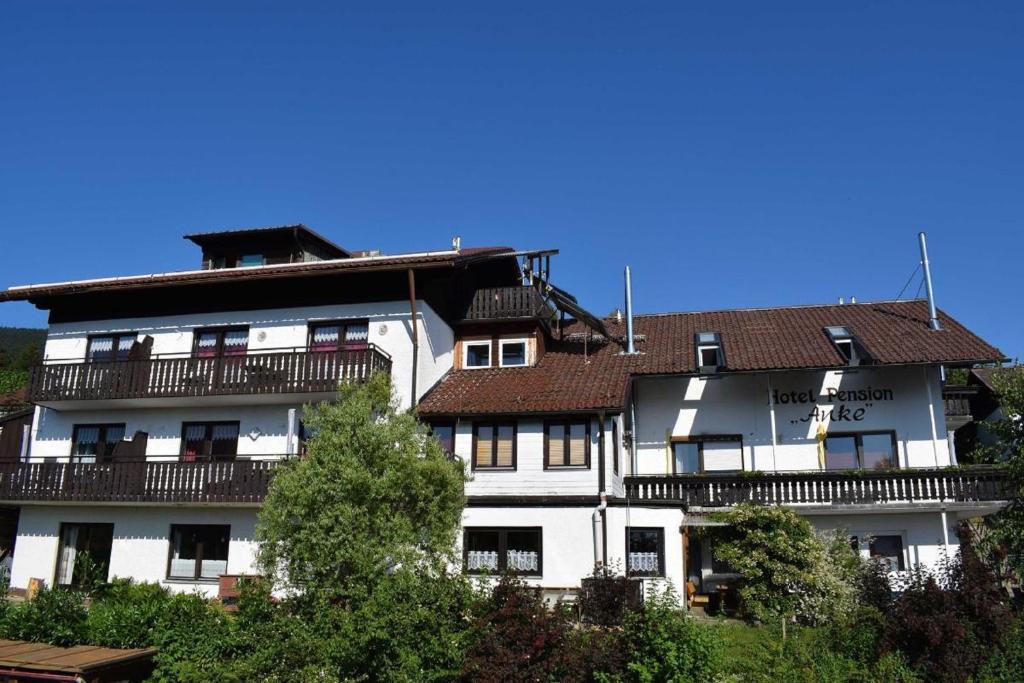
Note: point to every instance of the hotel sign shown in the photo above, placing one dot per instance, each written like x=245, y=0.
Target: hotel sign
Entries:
x=838, y=402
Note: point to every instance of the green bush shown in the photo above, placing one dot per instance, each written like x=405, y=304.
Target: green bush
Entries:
x=663, y=643
x=124, y=614
x=194, y=640
x=54, y=616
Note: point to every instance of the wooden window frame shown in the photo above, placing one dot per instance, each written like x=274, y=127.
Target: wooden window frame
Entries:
x=503, y=532
x=341, y=323
x=116, y=337
x=494, y=445
x=198, y=570
x=699, y=440
x=103, y=427
x=209, y=424
x=661, y=550
x=858, y=439
x=60, y=548
x=565, y=443
x=220, y=332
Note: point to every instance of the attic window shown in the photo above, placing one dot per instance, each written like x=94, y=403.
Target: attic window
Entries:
x=844, y=342
x=709, y=351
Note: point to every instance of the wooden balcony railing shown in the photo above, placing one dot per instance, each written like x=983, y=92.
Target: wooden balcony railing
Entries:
x=980, y=484
x=274, y=372
x=237, y=481
x=956, y=401
x=504, y=303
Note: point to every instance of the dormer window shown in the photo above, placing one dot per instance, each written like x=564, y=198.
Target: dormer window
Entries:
x=250, y=260
x=710, y=357
x=845, y=342
x=478, y=354
x=513, y=353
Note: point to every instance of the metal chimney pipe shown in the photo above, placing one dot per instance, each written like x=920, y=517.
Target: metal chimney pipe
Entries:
x=933, y=318
x=629, y=313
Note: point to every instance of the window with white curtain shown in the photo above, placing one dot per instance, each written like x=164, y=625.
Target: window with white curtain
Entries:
x=110, y=347
x=209, y=440
x=95, y=442
x=199, y=552
x=212, y=342
x=497, y=550
x=339, y=335
x=84, y=552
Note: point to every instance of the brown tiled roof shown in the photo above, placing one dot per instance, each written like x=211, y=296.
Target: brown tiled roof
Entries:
x=571, y=377
x=376, y=263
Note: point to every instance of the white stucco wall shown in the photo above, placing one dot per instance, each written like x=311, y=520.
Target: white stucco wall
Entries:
x=739, y=404
x=269, y=424
x=141, y=541
x=390, y=330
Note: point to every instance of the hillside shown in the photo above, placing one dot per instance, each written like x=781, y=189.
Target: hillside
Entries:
x=15, y=343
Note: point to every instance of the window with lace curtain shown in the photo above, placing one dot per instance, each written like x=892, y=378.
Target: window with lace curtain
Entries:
x=110, y=347
x=211, y=342
x=339, y=335
x=498, y=550
x=645, y=551
x=209, y=441
x=95, y=442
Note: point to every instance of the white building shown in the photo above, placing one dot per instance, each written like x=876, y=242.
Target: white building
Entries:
x=164, y=401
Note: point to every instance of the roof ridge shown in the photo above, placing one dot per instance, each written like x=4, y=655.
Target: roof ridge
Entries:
x=773, y=308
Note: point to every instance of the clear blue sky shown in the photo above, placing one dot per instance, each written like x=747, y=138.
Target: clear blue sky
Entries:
x=735, y=154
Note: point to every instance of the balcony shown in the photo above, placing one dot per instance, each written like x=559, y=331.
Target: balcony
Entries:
x=507, y=303
x=271, y=373
x=981, y=487
x=226, y=482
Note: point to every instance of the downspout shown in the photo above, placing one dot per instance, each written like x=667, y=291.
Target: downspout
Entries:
x=771, y=414
x=290, y=446
x=598, y=519
x=635, y=438
x=931, y=416
x=415, y=334
x=601, y=492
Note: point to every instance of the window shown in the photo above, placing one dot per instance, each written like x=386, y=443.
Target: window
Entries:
x=847, y=344
x=198, y=551
x=339, y=335
x=110, y=347
x=645, y=551
x=478, y=354
x=707, y=454
x=84, y=553
x=444, y=432
x=249, y=260
x=490, y=551
x=513, y=353
x=710, y=356
x=888, y=549
x=567, y=443
x=494, y=445
x=863, y=451
x=92, y=443
x=209, y=441
x=213, y=342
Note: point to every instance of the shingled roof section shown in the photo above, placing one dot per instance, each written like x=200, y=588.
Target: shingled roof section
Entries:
x=576, y=377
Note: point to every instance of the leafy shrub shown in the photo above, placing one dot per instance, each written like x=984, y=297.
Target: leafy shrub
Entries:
x=603, y=598
x=947, y=631
x=124, y=614
x=515, y=637
x=1006, y=665
x=664, y=644
x=53, y=616
x=193, y=641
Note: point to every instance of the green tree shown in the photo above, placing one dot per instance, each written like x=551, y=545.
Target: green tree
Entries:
x=1002, y=543
x=375, y=493
x=787, y=569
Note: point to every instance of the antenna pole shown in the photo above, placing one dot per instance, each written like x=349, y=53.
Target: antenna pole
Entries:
x=933, y=318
